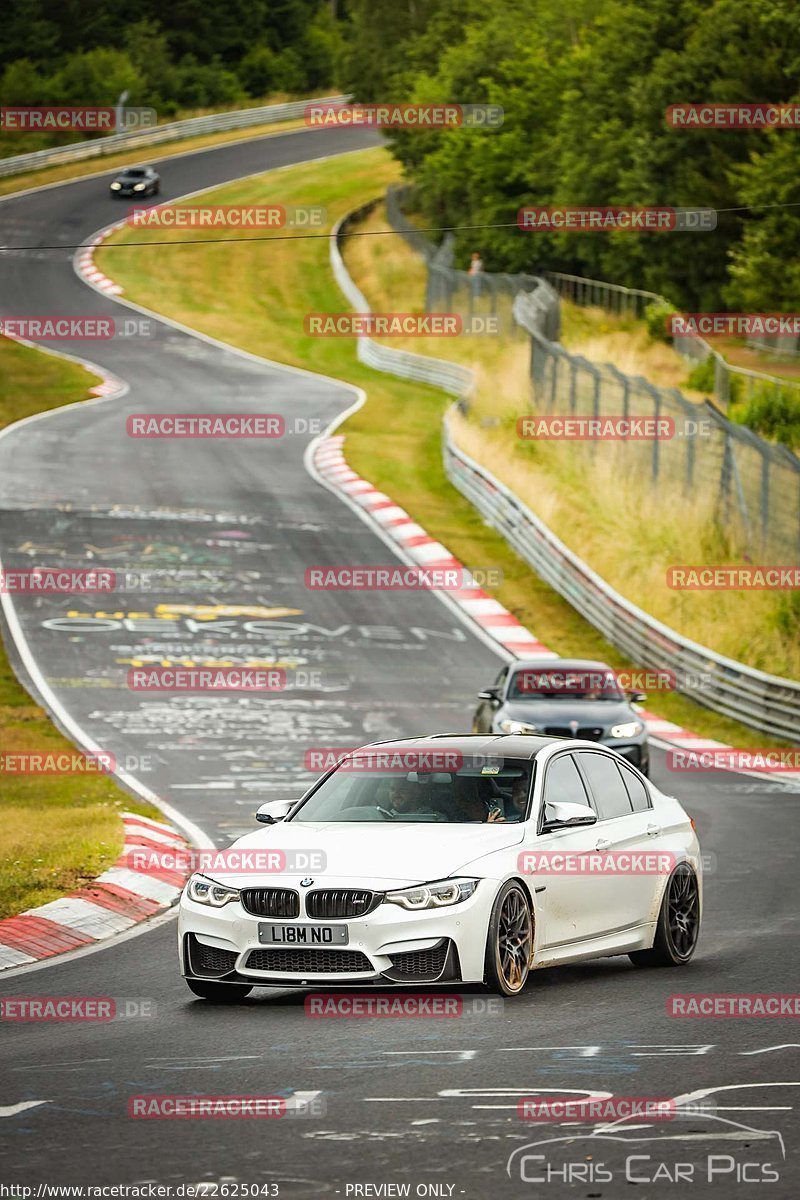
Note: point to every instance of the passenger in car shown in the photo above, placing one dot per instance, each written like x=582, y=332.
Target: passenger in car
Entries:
x=515, y=807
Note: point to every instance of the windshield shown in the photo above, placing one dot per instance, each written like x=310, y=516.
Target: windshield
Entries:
x=597, y=684
x=135, y=173
x=373, y=788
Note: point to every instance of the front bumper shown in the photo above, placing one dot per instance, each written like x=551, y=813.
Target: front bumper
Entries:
x=389, y=945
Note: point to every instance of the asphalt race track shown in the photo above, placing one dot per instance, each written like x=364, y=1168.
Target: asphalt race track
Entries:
x=229, y=528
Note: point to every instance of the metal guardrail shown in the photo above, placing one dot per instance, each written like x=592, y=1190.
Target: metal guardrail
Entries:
x=450, y=377
x=762, y=701
x=765, y=702
x=242, y=118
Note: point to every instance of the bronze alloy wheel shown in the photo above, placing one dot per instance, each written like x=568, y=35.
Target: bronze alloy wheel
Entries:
x=510, y=942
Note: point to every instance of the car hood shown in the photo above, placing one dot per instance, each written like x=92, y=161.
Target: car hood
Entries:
x=561, y=712
x=391, y=852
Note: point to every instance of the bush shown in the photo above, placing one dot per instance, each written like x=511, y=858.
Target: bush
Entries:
x=701, y=377
x=655, y=317
x=772, y=411
x=259, y=71
x=204, y=85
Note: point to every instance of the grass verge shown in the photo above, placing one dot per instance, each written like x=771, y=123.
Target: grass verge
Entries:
x=254, y=294
x=57, y=832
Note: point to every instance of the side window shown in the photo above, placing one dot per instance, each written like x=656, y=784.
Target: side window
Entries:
x=611, y=798
x=640, y=798
x=563, y=783
x=500, y=682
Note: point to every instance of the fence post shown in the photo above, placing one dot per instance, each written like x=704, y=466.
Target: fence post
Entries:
x=765, y=464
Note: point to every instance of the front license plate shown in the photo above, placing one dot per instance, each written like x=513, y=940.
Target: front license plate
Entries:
x=302, y=935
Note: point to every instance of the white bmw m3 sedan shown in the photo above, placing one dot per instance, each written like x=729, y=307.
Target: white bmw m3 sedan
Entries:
x=446, y=860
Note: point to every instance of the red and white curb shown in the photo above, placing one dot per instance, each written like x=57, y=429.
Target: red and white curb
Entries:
x=118, y=899
x=488, y=613
x=84, y=261
x=395, y=522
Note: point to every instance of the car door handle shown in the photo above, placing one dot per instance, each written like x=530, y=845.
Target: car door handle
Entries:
x=653, y=830
x=602, y=844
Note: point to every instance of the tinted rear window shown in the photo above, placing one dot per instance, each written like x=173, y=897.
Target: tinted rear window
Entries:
x=637, y=791
x=606, y=782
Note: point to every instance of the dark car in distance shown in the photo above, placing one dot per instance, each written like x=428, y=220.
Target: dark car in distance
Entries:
x=565, y=698
x=136, y=181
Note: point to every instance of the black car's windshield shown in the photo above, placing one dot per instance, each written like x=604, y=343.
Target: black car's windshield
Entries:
x=531, y=684
x=134, y=173
x=406, y=787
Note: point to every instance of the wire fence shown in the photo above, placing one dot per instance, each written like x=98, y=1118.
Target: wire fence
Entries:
x=721, y=470
x=763, y=701
x=730, y=381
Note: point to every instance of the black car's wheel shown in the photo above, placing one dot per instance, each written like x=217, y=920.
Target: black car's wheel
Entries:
x=218, y=993
x=509, y=943
x=678, y=925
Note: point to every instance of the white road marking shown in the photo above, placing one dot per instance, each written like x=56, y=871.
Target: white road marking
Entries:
x=11, y=1110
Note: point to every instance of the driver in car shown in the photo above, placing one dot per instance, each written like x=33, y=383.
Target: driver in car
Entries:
x=404, y=801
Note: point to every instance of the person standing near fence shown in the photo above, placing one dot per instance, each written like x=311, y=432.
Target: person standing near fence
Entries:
x=475, y=272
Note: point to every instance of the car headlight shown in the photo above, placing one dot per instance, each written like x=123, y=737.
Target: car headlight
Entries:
x=115, y=187
x=203, y=890
x=433, y=895
x=507, y=726
x=139, y=187
x=629, y=729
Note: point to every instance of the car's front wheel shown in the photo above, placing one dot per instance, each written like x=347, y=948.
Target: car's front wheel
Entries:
x=678, y=925
x=509, y=943
x=218, y=993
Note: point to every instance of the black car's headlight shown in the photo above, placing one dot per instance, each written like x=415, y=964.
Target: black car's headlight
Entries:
x=115, y=187
x=509, y=726
x=628, y=729
x=203, y=890
x=441, y=894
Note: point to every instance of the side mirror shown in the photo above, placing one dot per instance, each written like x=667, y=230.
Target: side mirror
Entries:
x=274, y=811
x=637, y=697
x=559, y=815
x=488, y=694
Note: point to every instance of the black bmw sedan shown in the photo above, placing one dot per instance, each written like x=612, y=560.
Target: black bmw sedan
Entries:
x=565, y=698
